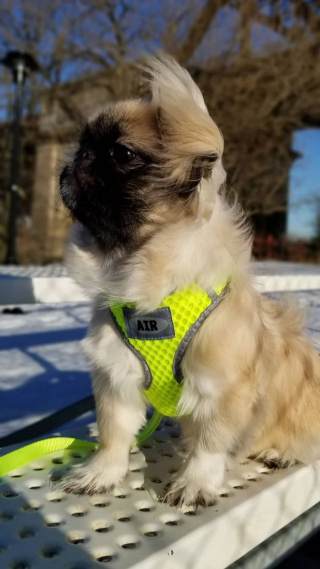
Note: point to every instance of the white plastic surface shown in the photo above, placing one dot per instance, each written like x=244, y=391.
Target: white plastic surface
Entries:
x=41, y=527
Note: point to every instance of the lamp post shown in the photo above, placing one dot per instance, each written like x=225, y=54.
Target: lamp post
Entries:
x=19, y=63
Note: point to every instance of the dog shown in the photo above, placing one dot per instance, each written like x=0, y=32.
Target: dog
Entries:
x=146, y=191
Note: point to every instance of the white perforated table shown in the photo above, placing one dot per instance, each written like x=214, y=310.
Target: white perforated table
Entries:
x=259, y=516
x=42, y=527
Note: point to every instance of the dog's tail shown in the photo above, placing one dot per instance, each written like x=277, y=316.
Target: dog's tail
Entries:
x=191, y=141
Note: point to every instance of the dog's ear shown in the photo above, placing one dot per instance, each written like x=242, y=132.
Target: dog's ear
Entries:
x=201, y=169
x=191, y=142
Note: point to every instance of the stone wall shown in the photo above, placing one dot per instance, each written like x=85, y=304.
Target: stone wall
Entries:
x=43, y=239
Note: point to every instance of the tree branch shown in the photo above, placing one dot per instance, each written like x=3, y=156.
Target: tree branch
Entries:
x=199, y=29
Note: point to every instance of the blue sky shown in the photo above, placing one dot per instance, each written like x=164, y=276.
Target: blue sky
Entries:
x=304, y=184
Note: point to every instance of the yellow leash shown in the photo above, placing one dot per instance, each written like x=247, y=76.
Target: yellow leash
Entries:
x=29, y=453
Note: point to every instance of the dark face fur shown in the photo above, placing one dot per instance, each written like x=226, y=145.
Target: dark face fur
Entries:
x=107, y=186
x=113, y=186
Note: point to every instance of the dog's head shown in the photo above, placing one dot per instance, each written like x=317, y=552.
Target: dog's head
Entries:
x=140, y=163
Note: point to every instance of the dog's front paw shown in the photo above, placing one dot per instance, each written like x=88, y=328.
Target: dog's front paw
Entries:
x=199, y=481
x=189, y=496
x=98, y=475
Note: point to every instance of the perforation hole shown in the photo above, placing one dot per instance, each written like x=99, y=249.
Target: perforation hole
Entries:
x=137, y=484
x=19, y=565
x=170, y=519
x=8, y=493
x=56, y=476
x=32, y=506
x=135, y=467
x=251, y=477
x=17, y=473
x=151, y=530
x=51, y=551
x=104, y=555
x=238, y=484
x=145, y=506
x=26, y=533
x=264, y=470
x=57, y=460
x=167, y=454
x=173, y=470
x=77, y=511
x=54, y=521
x=129, y=542
x=174, y=435
x=55, y=497
x=151, y=461
x=77, y=455
x=123, y=516
x=99, y=502
x=161, y=441
x=101, y=526
x=37, y=466
x=156, y=480
x=77, y=537
x=103, y=558
x=34, y=484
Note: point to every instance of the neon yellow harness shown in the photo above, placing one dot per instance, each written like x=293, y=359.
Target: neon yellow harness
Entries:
x=160, y=339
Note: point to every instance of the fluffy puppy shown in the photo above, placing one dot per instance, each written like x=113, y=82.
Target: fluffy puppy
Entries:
x=145, y=188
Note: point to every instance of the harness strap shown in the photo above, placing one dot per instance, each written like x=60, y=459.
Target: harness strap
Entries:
x=25, y=455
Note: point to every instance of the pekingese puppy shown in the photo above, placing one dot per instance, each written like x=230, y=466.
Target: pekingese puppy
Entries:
x=146, y=190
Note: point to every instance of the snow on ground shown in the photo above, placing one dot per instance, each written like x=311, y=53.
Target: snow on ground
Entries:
x=43, y=369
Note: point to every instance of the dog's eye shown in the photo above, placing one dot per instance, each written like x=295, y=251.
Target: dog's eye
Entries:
x=212, y=158
x=121, y=154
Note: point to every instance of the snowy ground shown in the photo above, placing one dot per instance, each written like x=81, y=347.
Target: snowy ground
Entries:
x=42, y=367
x=43, y=370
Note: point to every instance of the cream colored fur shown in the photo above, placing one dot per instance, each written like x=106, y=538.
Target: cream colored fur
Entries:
x=251, y=382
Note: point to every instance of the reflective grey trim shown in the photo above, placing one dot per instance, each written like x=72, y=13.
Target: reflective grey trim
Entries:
x=215, y=301
x=148, y=374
